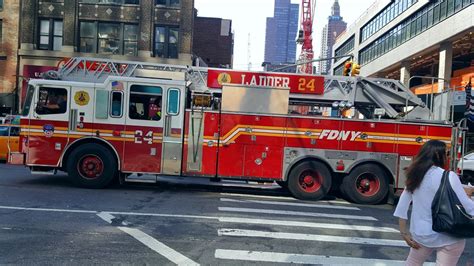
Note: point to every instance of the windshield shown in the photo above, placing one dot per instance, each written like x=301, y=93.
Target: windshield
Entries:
x=29, y=98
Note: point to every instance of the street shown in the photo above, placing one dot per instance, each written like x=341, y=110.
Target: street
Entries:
x=46, y=220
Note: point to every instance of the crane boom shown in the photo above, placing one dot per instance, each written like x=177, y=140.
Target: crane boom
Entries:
x=305, y=36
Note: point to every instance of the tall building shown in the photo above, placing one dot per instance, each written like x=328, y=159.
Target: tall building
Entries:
x=280, y=38
x=406, y=39
x=9, y=22
x=331, y=31
x=140, y=30
x=213, y=41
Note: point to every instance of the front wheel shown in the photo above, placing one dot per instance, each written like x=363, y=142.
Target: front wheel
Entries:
x=310, y=180
x=366, y=184
x=92, y=166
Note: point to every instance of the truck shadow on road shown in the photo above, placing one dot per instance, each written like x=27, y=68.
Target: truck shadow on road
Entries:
x=167, y=185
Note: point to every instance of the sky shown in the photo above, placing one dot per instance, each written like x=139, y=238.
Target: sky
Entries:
x=249, y=17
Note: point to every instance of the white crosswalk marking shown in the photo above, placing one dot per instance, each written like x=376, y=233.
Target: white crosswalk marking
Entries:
x=246, y=255
x=294, y=204
x=280, y=198
x=298, y=213
x=348, y=227
x=345, y=221
x=310, y=237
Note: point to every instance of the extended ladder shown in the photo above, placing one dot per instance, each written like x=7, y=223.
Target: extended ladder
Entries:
x=388, y=94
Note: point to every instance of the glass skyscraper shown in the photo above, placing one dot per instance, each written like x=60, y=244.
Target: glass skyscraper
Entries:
x=280, y=39
x=331, y=31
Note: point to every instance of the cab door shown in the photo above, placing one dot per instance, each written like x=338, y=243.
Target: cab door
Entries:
x=143, y=129
x=153, y=128
x=48, y=129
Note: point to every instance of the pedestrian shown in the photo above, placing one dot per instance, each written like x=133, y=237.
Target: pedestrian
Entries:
x=423, y=180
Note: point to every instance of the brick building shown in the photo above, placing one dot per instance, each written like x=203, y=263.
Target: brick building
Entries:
x=213, y=41
x=141, y=30
x=9, y=21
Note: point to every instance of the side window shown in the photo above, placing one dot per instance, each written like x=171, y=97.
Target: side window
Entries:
x=145, y=102
x=51, y=101
x=173, y=101
x=116, y=104
x=15, y=131
x=101, y=104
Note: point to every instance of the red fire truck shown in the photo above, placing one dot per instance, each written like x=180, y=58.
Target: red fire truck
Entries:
x=100, y=119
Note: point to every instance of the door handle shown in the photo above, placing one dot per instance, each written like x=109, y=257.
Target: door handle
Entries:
x=73, y=119
x=167, y=129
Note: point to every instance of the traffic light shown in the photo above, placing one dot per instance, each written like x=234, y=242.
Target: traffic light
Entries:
x=355, y=70
x=347, y=68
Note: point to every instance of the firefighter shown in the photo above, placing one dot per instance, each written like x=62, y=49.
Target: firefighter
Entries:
x=154, y=109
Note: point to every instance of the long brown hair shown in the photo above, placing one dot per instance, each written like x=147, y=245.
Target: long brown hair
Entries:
x=431, y=153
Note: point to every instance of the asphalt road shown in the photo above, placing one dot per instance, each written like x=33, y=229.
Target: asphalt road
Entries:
x=45, y=220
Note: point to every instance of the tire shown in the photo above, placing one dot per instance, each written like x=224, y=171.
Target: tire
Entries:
x=366, y=184
x=309, y=180
x=92, y=166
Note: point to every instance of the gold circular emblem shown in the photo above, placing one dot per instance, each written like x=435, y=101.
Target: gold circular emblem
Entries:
x=81, y=98
x=224, y=78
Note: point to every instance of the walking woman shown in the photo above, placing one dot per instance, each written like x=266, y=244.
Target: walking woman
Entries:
x=423, y=180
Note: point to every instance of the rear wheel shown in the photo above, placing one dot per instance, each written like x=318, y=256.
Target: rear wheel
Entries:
x=92, y=166
x=366, y=184
x=310, y=180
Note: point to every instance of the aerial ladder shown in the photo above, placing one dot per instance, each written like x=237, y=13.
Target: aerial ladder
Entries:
x=364, y=94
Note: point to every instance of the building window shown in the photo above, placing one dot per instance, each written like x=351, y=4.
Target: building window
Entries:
x=1, y=4
x=346, y=47
x=1, y=33
x=109, y=38
x=386, y=16
x=173, y=3
x=50, y=34
x=166, y=42
x=338, y=70
x=425, y=18
x=117, y=2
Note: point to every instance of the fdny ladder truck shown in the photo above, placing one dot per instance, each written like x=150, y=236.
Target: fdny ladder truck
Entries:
x=100, y=120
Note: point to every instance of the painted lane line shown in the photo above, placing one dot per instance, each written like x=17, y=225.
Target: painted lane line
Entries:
x=106, y=216
x=308, y=224
x=246, y=255
x=280, y=198
x=159, y=247
x=46, y=209
x=298, y=213
x=165, y=215
x=113, y=212
x=311, y=237
x=292, y=204
x=151, y=242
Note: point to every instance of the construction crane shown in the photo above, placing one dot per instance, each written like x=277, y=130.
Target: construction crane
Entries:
x=305, y=37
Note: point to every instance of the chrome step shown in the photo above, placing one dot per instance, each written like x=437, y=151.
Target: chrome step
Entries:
x=141, y=178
